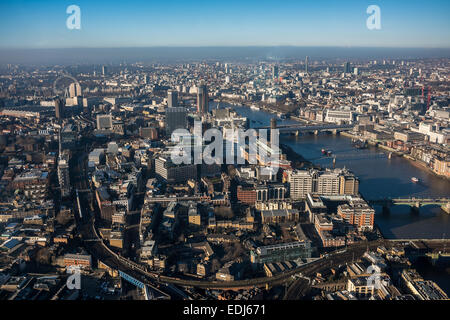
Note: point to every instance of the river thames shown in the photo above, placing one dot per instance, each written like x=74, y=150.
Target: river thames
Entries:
x=379, y=176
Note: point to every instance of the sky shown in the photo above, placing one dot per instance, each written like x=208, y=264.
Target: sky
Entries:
x=114, y=24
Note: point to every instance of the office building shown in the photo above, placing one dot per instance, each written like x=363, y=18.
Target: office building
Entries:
x=172, y=173
x=202, y=99
x=347, y=67
x=172, y=99
x=63, y=174
x=273, y=133
x=328, y=182
x=75, y=90
x=59, y=109
x=175, y=119
x=339, y=116
x=301, y=183
x=275, y=73
x=348, y=184
x=104, y=122
x=68, y=136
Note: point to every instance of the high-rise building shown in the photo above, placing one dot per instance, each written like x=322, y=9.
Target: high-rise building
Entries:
x=172, y=99
x=275, y=72
x=349, y=184
x=172, y=173
x=347, y=67
x=329, y=182
x=202, y=99
x=59, y=109
x=273, y=127
x=306, y=64
x=63, y=173
x=104, y=70
x=175, y=119
x=75, y=90
x=301, y=183
x=104, y=122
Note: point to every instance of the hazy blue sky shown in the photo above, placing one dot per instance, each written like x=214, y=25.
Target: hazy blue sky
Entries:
x=42, y=24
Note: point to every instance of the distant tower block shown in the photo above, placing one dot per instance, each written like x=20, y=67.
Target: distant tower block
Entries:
x=172, y=99
x=59, y=109
x=275, y=72
x=202, y=99
x=273, y=127
x=306, y=64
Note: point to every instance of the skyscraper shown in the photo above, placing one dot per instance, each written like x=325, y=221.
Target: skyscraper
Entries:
x=347, y=67
x=75, y=90
x=172, y=99
x=104, y=70
x=306, y=64
x=175, y=119
x=202, y=99
x=275, y=72
x=273, y=127
x=59, y=109
x=63, y=173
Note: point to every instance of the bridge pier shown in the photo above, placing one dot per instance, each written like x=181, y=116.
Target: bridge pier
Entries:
x=316, y=132
x=297, y=133
x=386, y=210
x=415, y=209
x=334, y=132
x=446, y=207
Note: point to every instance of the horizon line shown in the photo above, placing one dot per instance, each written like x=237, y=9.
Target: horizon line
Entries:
x=226, y=46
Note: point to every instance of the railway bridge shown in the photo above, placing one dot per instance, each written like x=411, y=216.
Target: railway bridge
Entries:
x=315, y=128
x=413, y=202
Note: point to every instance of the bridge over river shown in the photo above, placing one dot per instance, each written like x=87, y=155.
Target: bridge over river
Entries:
x=413, y=202
x=316, y=128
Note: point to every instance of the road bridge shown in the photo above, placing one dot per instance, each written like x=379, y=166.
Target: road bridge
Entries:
x=413, y=202
x=316, y=128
